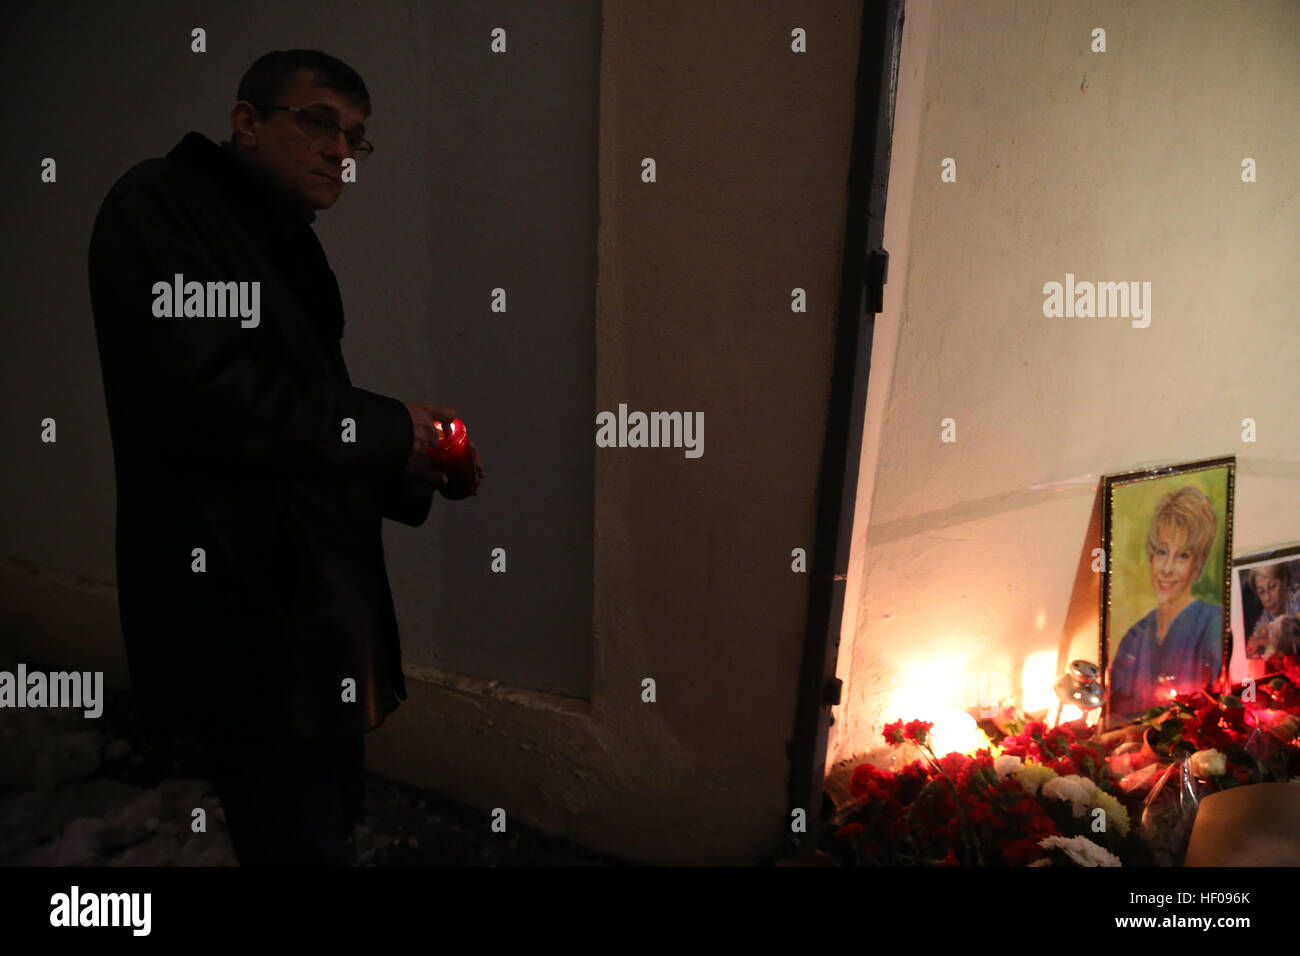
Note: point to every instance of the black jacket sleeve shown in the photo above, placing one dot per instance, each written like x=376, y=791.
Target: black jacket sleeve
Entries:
x=212, y=394
x=405, y=506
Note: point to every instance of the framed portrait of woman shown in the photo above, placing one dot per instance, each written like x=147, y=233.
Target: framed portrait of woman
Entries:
x=1265, y=610
x=1165, y=625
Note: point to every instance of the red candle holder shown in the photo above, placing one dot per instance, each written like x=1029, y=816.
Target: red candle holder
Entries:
x=451, y=456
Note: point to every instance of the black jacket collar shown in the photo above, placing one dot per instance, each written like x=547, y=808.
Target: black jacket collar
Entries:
x=261, y=205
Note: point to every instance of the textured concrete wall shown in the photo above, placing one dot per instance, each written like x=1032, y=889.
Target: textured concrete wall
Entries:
x=1115, y=166
x=693, y=585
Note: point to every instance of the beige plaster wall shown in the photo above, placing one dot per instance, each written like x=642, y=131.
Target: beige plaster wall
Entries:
x=1117, y=166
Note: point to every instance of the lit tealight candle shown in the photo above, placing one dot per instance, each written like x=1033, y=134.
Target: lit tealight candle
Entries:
x=955, y=730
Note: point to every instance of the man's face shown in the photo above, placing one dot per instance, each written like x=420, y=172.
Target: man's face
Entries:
x=303, y=165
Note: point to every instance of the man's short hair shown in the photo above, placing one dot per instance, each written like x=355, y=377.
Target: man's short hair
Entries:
x=269, y=77
x=1188, y=508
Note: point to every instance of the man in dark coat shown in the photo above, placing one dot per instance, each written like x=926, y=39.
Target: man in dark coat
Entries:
x=252, y=476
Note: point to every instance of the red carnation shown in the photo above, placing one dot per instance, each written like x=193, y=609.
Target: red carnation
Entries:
x=910, y=781
x=1077, y=730
x=954, y=764
x=918, y=731
x=1285, y=695
x=894, y=733
x=1021, y=852
x=1024, y=748
x=898, y=830
x=849, y=830
x=1039, y=825
x=1212, y=722
x=1014, y=746
x=981, y=762
x=1010, y=785
x=1026, y=806
x=1287, y=664
x=1234, y=714
x=872, y=783
x=1057, y=739
x=981, y=813
x=1263, y=697
x=1081, y=754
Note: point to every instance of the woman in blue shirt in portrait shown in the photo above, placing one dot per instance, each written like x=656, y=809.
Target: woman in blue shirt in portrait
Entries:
x=1179, y=645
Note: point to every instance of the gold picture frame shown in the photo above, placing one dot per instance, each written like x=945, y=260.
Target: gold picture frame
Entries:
x=1166, y=584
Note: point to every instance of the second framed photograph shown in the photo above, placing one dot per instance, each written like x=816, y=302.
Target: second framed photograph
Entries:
x=1265, y=610
x=1167, y=535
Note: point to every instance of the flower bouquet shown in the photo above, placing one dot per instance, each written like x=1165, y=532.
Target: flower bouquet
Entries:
x=1039, y=797
x=1198, y=744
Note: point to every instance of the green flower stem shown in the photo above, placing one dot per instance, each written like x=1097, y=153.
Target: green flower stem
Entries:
x=956, y=799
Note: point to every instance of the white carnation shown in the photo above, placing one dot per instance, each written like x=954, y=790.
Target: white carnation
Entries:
x=1007, y=764
x=1081, y=850
x=1071, y=788
x=1207, y=763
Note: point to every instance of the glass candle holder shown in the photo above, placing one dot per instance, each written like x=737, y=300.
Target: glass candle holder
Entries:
x=451, y=456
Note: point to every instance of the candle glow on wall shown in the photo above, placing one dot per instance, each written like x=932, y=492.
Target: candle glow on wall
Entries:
x=1037, y=679
x=926, y=687
x=942, y=689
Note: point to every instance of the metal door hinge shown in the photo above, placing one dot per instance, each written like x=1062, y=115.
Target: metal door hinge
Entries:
x=831, y=691
x=877, y=274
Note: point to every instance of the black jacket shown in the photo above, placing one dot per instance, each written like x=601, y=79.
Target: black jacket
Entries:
x=230, y=439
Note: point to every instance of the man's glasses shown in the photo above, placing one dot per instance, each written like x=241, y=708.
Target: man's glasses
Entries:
x=320, y=127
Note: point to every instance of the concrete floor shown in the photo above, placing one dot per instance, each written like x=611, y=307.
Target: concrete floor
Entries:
x=82, y=792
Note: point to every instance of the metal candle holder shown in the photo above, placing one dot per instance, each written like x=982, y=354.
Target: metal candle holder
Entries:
x=1081, y=686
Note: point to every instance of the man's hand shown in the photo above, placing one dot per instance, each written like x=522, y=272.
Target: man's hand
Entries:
x=423, y=415
x=419, y=475
x=419, y=472
x=478, y=466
